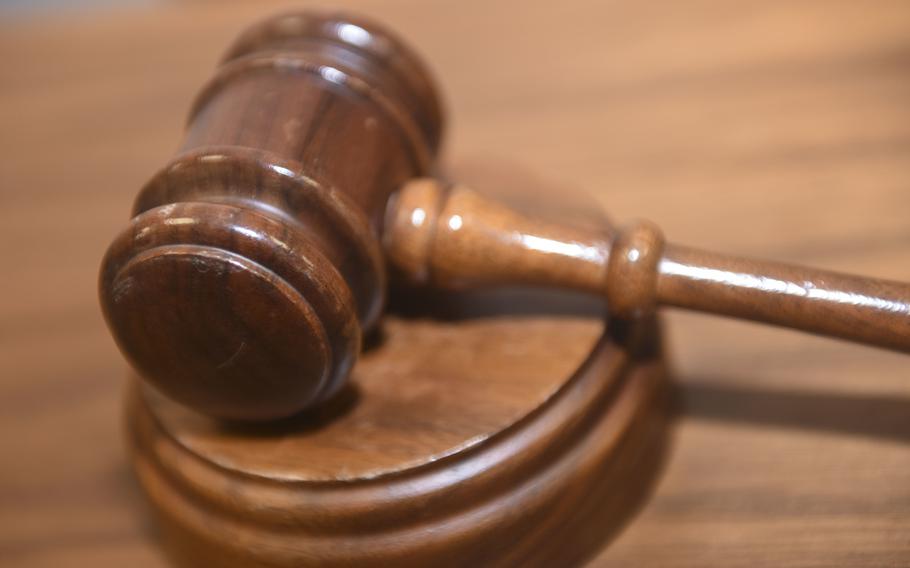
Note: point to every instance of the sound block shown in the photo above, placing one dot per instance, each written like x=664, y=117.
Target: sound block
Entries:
x=509, y=429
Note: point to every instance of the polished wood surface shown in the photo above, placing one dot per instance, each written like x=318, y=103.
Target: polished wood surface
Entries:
x=785, y=122
x=472, y=420
x=449, y=235
x=509, y=436
x=251, y=265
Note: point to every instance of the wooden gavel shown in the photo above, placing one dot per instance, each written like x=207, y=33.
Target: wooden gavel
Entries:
x=257, y=257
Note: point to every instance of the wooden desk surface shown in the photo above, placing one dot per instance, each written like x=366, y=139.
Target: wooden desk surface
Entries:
x=773, y=129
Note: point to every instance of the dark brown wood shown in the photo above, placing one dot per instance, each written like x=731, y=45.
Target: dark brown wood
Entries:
x=786, y=122
x=450, y=236
x=243, y=282
x=516, y=440
x=242, y=286
x=477, y=429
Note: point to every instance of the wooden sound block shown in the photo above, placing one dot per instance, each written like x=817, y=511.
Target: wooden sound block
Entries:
x=506, y=429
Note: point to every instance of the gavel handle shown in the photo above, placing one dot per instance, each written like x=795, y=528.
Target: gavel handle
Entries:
x=454, y=237
x=865, y=310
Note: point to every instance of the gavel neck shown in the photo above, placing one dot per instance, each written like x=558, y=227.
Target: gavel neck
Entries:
x=452, y=236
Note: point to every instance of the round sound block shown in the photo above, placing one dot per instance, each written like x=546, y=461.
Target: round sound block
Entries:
x=511, y=429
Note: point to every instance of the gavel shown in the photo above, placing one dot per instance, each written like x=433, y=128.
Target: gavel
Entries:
x=258, y=257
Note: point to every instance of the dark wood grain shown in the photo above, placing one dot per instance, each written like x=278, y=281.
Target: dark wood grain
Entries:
x=462, y=430
x=792, y=450
x=497, y=440
x=242, y=283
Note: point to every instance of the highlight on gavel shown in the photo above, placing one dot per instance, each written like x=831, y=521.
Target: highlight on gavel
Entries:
x=257, y=258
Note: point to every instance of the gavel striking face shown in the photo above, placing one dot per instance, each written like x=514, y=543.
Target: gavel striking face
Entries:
x=257, y=257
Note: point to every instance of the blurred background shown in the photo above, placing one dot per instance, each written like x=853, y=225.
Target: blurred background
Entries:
x=776, y=129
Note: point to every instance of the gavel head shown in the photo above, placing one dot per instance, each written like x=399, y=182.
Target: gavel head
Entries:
x=251, y=267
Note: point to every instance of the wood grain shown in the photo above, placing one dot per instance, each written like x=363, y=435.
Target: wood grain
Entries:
x=486, y=438
x=450, y=235
x=785, y=122
x=252, y=261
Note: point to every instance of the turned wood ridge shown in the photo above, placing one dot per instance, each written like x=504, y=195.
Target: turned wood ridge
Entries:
x=256, y=258
x=449, y=236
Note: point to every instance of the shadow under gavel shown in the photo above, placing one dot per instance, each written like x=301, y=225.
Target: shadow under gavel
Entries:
x=257, y=257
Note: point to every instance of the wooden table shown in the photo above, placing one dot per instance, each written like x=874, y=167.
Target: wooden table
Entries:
x=775, y=129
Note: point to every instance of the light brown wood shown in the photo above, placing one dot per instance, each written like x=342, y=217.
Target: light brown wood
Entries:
x=792, y=450
x=449, y=235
